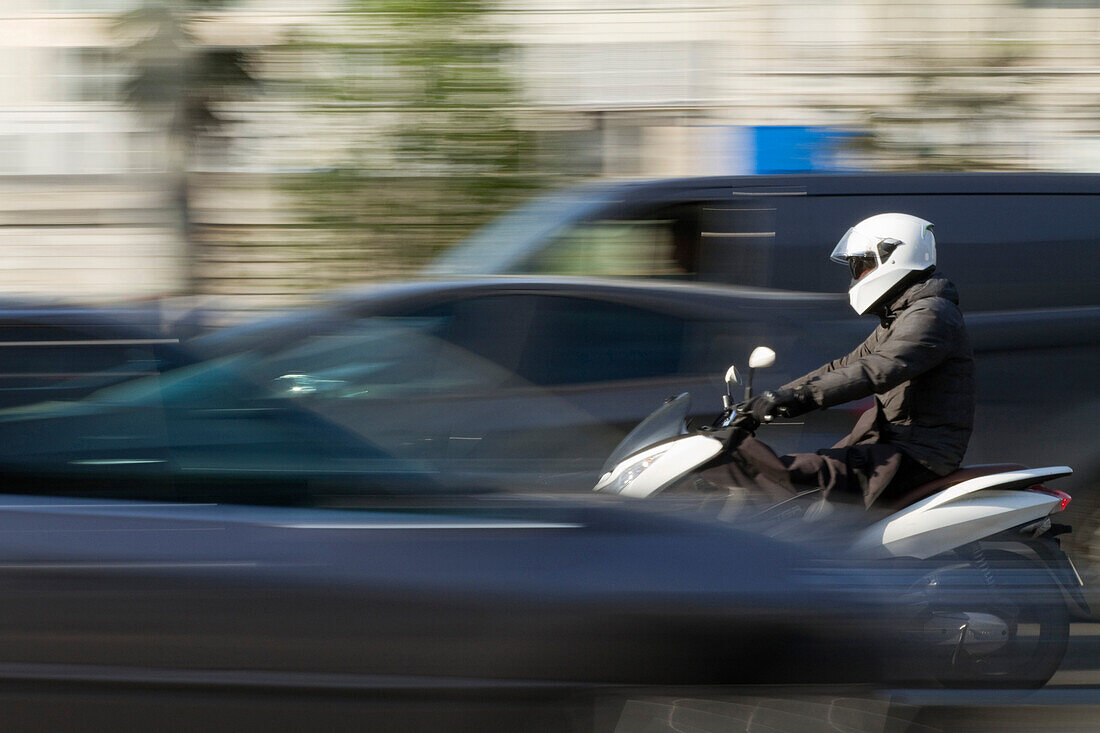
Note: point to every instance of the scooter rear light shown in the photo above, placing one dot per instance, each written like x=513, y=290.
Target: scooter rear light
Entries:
x=1063, y=496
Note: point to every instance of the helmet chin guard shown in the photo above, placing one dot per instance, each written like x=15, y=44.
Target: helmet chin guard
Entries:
x=882, y=251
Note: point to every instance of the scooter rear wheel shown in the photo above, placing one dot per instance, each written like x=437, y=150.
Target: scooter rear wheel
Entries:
x=1036, y=622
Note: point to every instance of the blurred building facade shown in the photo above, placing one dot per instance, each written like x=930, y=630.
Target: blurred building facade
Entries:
x=608, y=88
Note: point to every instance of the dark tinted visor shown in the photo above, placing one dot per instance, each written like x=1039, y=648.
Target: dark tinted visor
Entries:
x=860, y=266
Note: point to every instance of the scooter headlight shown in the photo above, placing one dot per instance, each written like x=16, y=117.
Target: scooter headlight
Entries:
x=631, y=473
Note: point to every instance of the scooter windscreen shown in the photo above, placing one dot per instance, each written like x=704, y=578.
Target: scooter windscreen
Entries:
x=666, y=422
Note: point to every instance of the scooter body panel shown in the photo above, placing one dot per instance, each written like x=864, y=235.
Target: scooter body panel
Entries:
x=677, y=458
x=961, y=514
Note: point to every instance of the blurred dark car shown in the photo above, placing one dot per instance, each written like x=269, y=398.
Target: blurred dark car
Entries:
x=55, y=351
x=515, y=384
x=497, y=383
x=505, y=615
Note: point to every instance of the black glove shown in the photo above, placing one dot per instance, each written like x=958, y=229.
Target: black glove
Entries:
x=782, y=402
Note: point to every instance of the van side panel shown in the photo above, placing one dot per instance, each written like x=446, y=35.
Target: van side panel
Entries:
x=1004, y=252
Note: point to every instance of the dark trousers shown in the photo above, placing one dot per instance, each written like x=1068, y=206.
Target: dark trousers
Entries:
x=860, y=473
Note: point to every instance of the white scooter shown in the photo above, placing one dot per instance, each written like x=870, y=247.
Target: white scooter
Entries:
x=990, y=588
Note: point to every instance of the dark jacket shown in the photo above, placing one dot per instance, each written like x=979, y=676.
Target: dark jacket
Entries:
x=920, y=366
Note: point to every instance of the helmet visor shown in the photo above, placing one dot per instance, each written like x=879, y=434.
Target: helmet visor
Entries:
x=861, y=265
x=862, y=252
x=855, y=244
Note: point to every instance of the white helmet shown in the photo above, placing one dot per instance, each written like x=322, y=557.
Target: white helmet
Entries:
x=881, y=251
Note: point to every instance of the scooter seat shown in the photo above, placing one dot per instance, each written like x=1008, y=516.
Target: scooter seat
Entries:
x=964, y=473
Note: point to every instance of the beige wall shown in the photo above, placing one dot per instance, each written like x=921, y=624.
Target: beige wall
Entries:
x=666, y=79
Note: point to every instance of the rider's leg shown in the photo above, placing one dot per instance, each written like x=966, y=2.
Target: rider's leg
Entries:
x=858, y=473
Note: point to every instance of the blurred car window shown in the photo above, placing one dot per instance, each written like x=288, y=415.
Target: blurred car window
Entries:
x=376, y=358
x=212, y=383
x=581, y=340
x=492, y=327
x=367, y=358
x=560, y=340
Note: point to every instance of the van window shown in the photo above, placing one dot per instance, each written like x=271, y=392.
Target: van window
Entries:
x=504, y=243
x=662, y=244
x=619, y=248
x=712, y=241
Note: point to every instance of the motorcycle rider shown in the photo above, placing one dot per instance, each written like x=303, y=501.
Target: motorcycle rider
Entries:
x=917, y=362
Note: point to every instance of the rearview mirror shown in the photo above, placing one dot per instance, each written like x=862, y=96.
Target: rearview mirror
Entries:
x=761, y=358
x=732, y=377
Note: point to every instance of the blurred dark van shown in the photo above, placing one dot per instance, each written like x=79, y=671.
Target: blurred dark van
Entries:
x=1023, y=248
x=1008, y=240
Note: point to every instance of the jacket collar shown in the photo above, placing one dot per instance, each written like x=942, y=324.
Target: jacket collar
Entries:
x=926, y=286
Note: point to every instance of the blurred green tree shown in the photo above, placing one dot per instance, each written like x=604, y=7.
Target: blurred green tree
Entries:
x=179, y=83
x=438, y=144
x=954, y=113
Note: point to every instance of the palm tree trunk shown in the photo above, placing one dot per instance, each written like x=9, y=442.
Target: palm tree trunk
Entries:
x=192, y=276
x=179, y=190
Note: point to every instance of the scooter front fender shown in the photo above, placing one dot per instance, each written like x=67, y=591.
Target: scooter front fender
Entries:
x=658, y=466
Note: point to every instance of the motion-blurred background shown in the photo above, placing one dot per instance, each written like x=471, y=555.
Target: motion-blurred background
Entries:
x=254, y=151
x=302, y=504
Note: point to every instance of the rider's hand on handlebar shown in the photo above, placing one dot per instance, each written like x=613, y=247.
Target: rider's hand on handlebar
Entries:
x=745, y=421
x=782, y=402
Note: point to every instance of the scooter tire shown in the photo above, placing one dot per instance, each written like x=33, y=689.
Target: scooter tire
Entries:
x=1024, y=662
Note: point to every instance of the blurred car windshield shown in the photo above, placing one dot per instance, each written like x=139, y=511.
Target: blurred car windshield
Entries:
x=369, y=358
